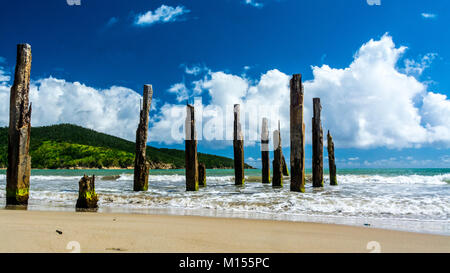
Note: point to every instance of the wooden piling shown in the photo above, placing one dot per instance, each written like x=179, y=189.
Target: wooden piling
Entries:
x=141, y=165
x=277, y=180
x=202, y=175
x=87, y=198
x=191, y=151
x=19, y=161
x=238, y=146
x=297, y=132
x=284, y=166
x=331, y=160
x=317, y=145
x=265, y=158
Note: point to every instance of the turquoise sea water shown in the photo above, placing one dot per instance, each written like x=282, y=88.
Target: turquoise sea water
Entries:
x=251, y=172
x=403, y=199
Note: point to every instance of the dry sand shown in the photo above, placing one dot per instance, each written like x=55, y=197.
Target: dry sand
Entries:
x=35, y=231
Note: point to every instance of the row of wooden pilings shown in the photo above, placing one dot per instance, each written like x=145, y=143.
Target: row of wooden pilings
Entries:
x=19, y=160
x=297, y=134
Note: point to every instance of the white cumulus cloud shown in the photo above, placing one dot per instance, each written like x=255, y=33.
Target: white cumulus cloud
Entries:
x=413, y=67
x=180, y=90
x=114, y=110
x=371, y=103
x=163, y=14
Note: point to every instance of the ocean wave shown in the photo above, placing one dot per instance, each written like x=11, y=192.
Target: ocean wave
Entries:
x=276, y=203
x=401, y=179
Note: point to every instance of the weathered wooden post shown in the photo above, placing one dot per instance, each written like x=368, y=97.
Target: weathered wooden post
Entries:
x=297, y=128
x=317, y=145
x=191, y=150
x=202, y=175
x=277, y=180
x=331, y=160
x=87, y=198
x=265, y=158
x=19, y=160
x=284, y=166
x=238, y=146
x=141, y=165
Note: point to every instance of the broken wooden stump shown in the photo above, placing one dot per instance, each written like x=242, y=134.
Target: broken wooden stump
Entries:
x=284, y=166
x=191, y=150
x=202, y=175
x=87, y=198
x=238, y=147
x=331, y=160
x=297, y=131
x=317, y=145
x=277, y=180
x=19, y=161
x=141, y=165
x=265, y=158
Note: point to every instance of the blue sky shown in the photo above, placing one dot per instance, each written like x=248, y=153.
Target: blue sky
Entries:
x=100, y=53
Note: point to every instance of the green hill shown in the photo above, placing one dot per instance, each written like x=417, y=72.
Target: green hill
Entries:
x=66, y=146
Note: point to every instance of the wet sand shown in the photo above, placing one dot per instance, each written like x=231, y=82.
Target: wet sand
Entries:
x=36, y=231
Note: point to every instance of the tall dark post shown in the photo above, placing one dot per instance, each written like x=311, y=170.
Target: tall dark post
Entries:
x=87, y=198
x=202, y=175
x=238, y=146
x=297, y=135
x=191, y=150
x=141, y=165
x=331, y=160
x=265, y=158
x=277, y=180
x=284, y=166
x=317, y=145
x=19, y=160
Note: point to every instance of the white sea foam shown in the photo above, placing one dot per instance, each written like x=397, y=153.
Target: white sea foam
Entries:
x=412, y=197
x=402, y=179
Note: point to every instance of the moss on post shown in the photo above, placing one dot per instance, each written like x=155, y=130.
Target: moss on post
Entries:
x=141, y=165
x=202, y=175
x=331, y=160
x=265, y=158
x=297, y=131
x=87, y=198
x=191, y=150
x=19, y=160
x=238, y=147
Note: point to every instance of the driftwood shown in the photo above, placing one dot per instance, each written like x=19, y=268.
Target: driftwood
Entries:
x=19, y=160
x=297, y=132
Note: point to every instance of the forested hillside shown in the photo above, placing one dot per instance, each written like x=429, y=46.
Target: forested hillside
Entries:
x=66, y=146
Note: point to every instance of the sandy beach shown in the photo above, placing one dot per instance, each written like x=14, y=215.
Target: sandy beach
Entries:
x=36, y=231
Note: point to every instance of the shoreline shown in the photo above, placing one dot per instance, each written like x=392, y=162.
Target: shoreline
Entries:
x=35, y=231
